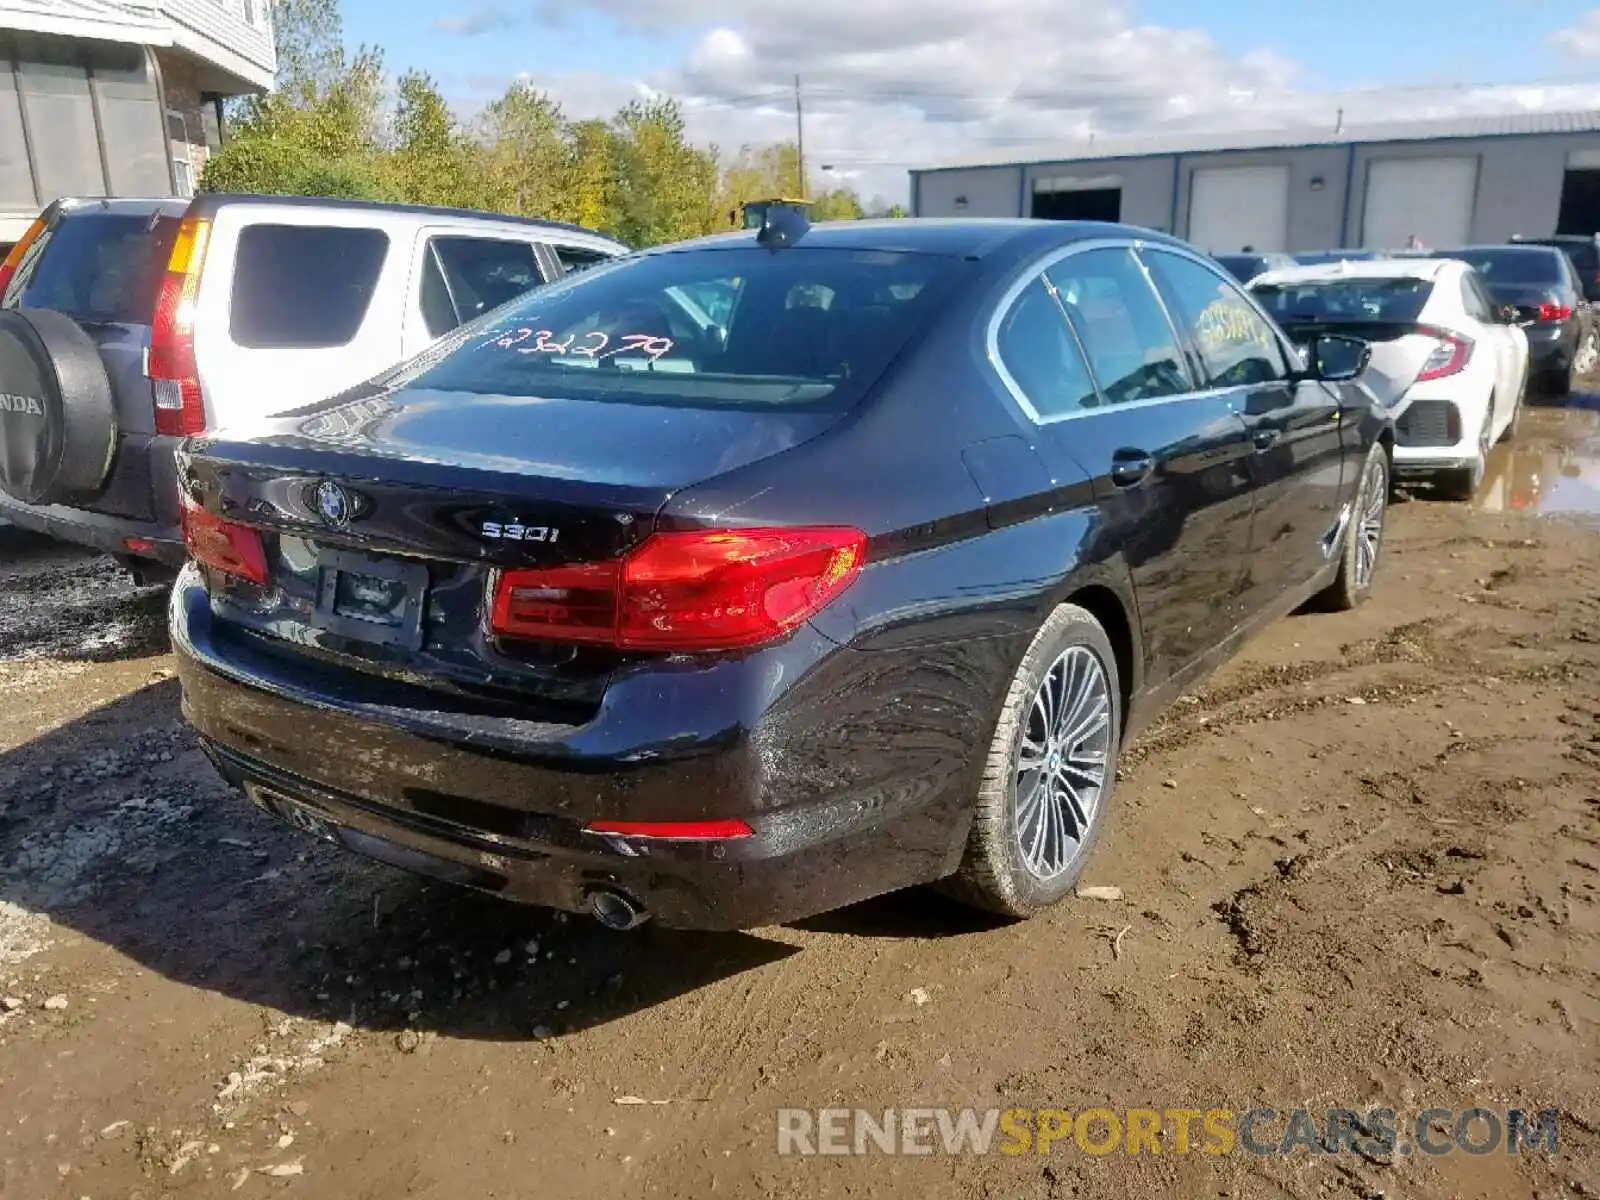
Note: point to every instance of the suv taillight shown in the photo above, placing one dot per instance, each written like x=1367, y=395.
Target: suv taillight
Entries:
x=688, y=591
x=8, y=269
x=180, y=408
x=1449, y=357
x=223, y=545
x=1554, y=312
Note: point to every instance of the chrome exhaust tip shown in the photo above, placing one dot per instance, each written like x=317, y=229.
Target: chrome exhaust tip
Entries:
x=616, y=911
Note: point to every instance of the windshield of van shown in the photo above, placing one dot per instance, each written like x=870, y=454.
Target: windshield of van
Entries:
x=799, y=328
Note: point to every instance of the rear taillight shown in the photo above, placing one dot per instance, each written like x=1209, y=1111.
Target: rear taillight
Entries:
x=8, y=269
x=719, y=590
x=1554, y=312
x=230, y=548
x=1449, y=357
x=175, y=379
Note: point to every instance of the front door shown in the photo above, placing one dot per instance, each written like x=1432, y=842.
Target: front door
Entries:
x=1294, y=425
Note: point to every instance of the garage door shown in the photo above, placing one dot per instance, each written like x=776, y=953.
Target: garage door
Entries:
x=1234, y=207
x=1427, y=198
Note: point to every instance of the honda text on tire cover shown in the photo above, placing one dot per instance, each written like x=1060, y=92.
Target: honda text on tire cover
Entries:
x=611, y=604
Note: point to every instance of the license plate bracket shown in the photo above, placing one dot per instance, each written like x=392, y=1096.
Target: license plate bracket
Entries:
x=371, y=599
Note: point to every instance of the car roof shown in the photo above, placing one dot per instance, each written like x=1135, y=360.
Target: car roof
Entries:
x=207, y=203
x=141, y=206
x=1494, y=248
x=1372, y=268
x=972, y=237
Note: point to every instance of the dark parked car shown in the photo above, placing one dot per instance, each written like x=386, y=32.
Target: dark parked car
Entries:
x=607, y=605
x=1316, y=258
x=1583, y=250
x=1245, y=267
x=1540, y=282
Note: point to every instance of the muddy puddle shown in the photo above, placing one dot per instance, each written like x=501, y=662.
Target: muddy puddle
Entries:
x=1553, y=466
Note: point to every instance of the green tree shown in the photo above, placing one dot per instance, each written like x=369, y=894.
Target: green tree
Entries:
x=431, y=161
x=665, y=188
x=525, y=154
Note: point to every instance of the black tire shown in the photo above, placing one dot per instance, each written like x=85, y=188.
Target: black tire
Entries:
x=58, y=422
x=1351, y=586
x=1462, y=483
x=1515, y=424
x=994, y=875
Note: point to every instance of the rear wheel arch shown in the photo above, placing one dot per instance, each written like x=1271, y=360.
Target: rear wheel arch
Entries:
x=1116, y=616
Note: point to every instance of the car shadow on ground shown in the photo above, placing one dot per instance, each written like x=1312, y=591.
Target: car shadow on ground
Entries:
x=74, y=605
x=116, y=826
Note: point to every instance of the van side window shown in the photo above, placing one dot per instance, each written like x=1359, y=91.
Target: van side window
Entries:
x=464, y=277
x=579, y=258
x=303, y=287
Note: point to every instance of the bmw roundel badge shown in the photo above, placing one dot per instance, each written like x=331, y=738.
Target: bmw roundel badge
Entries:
x=335, y=505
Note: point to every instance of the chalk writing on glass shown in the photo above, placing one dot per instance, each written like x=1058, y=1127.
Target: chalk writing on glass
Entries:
x=594, y=345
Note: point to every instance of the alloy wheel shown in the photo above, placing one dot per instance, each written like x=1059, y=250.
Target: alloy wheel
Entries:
x=1062, y=762
x=1369, y=523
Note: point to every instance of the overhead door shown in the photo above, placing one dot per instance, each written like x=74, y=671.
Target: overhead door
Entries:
x=1429, y=199
x=1236, y=208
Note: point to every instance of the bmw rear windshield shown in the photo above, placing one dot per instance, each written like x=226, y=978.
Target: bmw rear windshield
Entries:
x=1385, y=299
x=800, y=328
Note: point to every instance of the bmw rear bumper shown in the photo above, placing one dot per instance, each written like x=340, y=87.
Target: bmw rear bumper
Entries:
x=501, y=805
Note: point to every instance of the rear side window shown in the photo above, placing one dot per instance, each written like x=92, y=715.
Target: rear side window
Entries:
x=807, y=328
x=96, y=267
x=303, y=287
x=1121, y=323
x=1236, y=347
x=1042, y=357
x=465, y=277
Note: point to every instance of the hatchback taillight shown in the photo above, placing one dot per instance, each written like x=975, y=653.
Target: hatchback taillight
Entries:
x=687, y=591
x=228, y=547
x=1449, y=357
x=174, y=375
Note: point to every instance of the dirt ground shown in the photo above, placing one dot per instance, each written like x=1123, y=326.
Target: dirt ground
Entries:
x=1361, y=868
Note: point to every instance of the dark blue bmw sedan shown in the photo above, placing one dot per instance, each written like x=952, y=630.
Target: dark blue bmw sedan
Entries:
x=745, y=578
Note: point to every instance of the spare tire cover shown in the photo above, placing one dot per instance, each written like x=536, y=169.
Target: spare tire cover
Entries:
x=58, y=422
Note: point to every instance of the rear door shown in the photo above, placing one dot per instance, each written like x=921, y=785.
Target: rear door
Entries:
x=295, y=304
x=1170, y=463
x=1296, y=452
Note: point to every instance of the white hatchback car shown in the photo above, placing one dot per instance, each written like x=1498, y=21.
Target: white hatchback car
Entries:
x=1451, y=363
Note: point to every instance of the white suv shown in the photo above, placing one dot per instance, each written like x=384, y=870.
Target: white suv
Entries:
x=1449, y=361
x=165, y=318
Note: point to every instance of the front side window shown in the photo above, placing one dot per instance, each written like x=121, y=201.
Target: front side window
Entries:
x=746, y=328
x=1038, y=351
x=1236, y=347
x=303, y=287
x=1120, y=321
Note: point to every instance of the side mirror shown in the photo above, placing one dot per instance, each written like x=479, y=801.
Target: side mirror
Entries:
x=1337, y=359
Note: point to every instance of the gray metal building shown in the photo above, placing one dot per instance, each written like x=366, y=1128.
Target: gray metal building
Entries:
x=1481, y=179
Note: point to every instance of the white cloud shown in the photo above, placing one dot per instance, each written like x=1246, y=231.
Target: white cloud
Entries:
x=891, y=84
x=1583, y=39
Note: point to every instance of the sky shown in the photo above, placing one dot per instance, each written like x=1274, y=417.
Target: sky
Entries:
x=888, y=85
